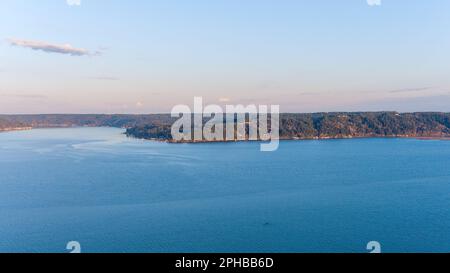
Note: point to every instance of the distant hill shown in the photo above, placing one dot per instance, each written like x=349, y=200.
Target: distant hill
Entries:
x=338, y=125
x=94, y=120
x=292, y=126
x=6, y=125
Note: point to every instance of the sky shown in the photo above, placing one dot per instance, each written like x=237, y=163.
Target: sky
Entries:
x=135, y=56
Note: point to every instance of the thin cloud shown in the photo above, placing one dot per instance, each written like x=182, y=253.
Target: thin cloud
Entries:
x=307, y=94
x=52, y=48
x=25, y=96
x=417, y=89
x=104, y=78
x=433, y=103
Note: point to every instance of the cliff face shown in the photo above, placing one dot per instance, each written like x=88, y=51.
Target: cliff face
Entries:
x=292, y=126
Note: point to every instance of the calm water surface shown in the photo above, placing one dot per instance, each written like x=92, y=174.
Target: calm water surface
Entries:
x=115, y=194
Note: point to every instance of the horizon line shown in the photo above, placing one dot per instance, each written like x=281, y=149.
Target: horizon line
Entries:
x=168, y=113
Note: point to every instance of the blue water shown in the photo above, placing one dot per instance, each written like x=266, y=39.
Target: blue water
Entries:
x=115, y=194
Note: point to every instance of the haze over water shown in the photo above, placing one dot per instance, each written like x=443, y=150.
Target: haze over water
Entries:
x=116, y=194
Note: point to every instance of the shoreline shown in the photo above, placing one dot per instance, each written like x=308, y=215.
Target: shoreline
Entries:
x=446, y=138
x=342, y=137
x=5, y=130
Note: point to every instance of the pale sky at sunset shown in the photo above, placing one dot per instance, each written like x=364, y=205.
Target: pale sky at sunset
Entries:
x=135, y=56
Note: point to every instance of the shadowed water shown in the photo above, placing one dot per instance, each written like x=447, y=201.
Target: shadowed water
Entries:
x=115, y=194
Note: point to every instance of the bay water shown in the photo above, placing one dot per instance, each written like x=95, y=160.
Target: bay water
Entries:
x=111, y=193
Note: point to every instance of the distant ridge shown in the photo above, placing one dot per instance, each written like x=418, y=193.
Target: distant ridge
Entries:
x=292, y=126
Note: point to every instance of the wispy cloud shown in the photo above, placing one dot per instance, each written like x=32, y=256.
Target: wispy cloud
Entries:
x=52, y=48
x=24, y=96
x=415, y=89
x=104, y=78
x=433, y=103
